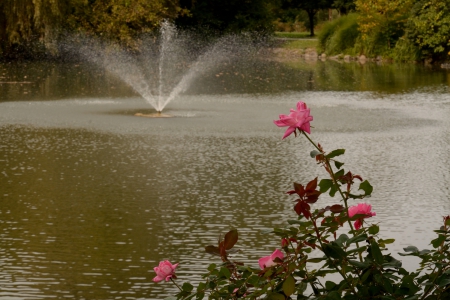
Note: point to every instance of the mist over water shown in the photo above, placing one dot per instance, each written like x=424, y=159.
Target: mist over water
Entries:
x=166, y=64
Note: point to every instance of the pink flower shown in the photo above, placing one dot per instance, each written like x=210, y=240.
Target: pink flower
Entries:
x=297, y=119
x=268, y=261
x=361, y=209
x=164, y=270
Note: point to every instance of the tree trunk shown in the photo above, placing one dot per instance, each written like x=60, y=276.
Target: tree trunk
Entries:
x=311, y=14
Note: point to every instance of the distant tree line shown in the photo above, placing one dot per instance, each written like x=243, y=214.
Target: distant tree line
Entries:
x=34, y=28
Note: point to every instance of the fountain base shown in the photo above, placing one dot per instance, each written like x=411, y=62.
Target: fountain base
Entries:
x=154, y=115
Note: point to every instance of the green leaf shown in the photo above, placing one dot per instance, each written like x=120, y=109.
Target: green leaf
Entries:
x=230, y=239
x=301, y=287
x=338, y=164
x=376, y=252
x=333, y=296
x=325, y=184
x=359, y=250
x=330, y=285
x=225, y=272
x=343, y=238
x=333, y=190
x=411, y=249
x=275, y=296
x=366, y=187
x=358, y=264
x=335, y=153
x=314, y=153
x=333, y=250
x=289, y=286
x=357, y=239
x=438, y=241
x=212, y=267
x=187, y=287
x=388, y=241
x=339, y=173
x=443, y=280
x=374, y=229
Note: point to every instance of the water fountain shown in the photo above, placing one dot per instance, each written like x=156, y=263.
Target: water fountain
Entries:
x=167, y=63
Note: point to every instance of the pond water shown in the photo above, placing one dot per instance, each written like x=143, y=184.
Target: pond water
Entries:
x=92, y=197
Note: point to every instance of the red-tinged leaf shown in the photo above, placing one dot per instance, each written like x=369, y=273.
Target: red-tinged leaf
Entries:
x=337, y=208
x=312, y=197
x=299, y=189
x=212, y=250
x=302, y=208
x=312, y=185
x=358, y=177
x=230, y=239
x=222, y=250
x=291, y=192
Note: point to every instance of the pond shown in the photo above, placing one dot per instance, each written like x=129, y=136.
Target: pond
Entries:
x=92, y=197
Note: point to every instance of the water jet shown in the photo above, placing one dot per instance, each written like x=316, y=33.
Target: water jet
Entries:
x=168, y=64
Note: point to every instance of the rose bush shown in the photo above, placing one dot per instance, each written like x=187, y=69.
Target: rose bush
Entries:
x=322, y=241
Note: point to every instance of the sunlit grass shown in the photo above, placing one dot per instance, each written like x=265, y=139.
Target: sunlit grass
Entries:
x=293, y=35
x=301, y=44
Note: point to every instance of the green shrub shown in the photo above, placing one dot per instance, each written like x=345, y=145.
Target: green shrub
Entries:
x=405, y=50
x=339, y=36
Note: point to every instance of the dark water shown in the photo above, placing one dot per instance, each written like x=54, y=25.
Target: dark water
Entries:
x=92, y=197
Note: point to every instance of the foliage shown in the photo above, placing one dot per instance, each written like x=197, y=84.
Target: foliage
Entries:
x=381, y=23
x=428, y=27
x=29, y=25
x=339, y=36
x=344, y=6
x=120, y=20
x=323, y=241
x=311, y=7
x=228, y=16
x=406, y=50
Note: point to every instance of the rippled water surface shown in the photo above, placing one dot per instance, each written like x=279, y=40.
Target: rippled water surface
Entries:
x=92, y=197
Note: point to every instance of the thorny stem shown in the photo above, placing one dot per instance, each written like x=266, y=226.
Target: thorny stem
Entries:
x=344, y=198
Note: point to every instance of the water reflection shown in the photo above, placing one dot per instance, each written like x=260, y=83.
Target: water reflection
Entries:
x=93, y=198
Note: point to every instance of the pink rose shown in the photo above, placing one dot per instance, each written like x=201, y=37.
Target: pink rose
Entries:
x=361, y=209
x=164, y=270
x=297, y=119
x=268, y=261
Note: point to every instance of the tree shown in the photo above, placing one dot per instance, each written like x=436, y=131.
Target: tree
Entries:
x=32, y=27
x=382, y=20
x=344, y=6
x=24, y=24
x=121, y=20
x=227, y=16
x=310, y=6
x=429, y=27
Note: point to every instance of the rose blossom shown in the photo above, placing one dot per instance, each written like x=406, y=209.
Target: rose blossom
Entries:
x=361, y=209
x=164, y=270
x=268, y=261
x=297, y=119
